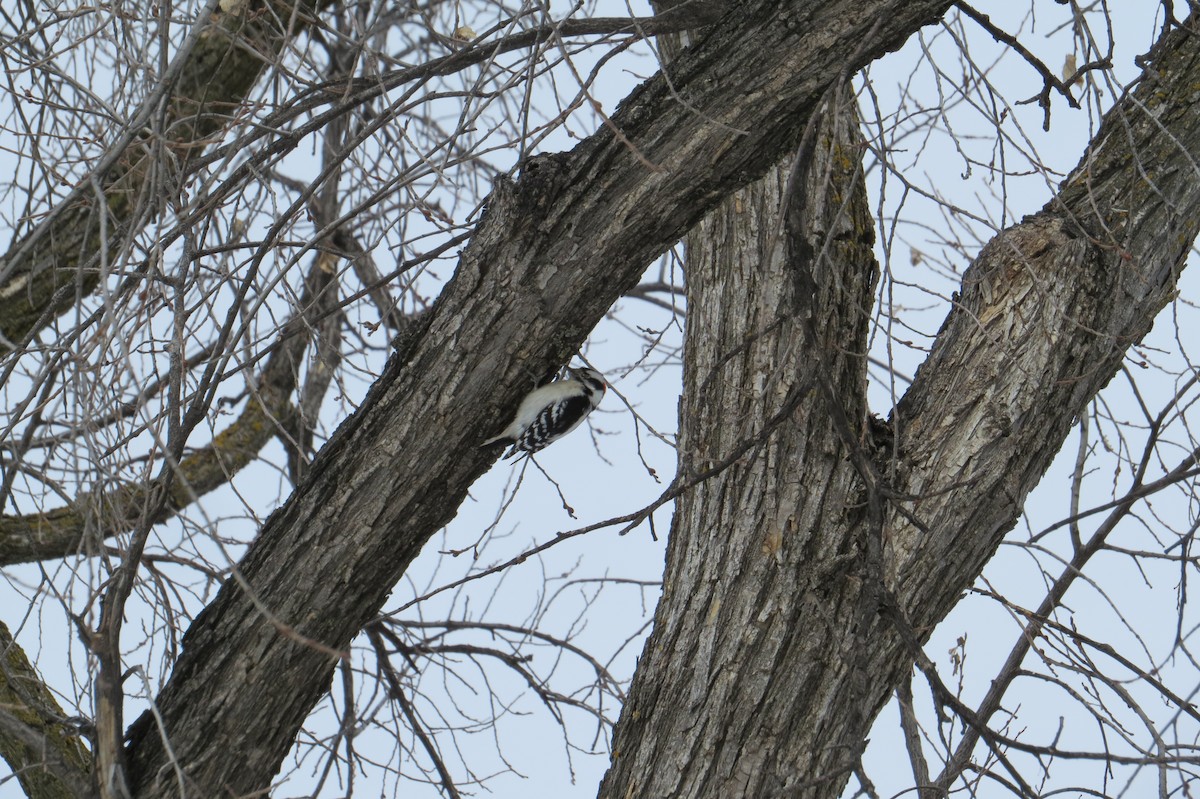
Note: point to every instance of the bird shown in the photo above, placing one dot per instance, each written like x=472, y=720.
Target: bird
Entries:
x=549, y=412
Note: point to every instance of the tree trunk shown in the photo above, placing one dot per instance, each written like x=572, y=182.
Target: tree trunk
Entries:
x=801, y=576
x=552, y=255
x=766, y=579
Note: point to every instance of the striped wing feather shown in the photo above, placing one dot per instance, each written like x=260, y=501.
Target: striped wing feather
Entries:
x=556, y=420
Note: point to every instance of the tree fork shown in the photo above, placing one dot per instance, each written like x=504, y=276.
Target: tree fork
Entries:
x=546, y=264
x=756, y=680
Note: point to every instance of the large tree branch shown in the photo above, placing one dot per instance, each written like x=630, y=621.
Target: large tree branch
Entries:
x=1045, y=316
x=549, y=259
x=63, y=256
x=73, y=528
x=41, y=748
x=770, y=656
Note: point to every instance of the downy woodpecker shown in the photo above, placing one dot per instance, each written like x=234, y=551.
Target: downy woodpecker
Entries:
x=551, y=411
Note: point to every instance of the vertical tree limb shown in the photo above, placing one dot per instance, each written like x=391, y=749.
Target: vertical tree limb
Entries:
x=765, y=579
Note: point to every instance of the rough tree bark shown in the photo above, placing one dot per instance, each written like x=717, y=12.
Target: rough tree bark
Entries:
x=1072, y=286
x=49, y=760
x=800, y=579
x=559, y=248
x=778, y=310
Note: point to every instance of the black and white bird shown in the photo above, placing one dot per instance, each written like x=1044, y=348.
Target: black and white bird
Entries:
x=551, y=411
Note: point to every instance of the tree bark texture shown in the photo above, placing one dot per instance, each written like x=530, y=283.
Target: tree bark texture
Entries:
x=799, y=578
x=765, y=566
x=552, y=254
x=48, y=758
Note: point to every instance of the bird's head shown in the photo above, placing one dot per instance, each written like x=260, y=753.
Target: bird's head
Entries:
x=590, y=378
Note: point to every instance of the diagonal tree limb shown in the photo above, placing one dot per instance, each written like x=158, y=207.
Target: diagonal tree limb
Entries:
x=1044, y=319
x=42, y=749
x=219, y=64
x=73, y=529
x=552, y=254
